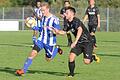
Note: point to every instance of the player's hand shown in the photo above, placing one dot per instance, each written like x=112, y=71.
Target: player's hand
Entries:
x=73, y=44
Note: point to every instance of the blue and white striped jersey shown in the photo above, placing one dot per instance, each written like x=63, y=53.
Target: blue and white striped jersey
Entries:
x=47, y=36
x=38, y=14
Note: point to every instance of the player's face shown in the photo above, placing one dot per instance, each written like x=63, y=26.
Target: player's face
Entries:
x=91, y=2
x=66, y=4
x=44, y=10
x=68, y=14
x=38, y=4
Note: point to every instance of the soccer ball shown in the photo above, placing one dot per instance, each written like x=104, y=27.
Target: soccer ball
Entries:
x=30, y=22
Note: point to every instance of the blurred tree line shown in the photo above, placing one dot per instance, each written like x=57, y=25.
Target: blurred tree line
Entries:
x=76, y=3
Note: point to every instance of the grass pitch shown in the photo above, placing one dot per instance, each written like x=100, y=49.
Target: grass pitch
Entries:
x=15, y=46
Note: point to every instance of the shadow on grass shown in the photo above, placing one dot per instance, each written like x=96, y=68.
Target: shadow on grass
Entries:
x=111, y=55
x=16, y=45
x=8, y=70
x=12, y=71
x=24, y=45
x=111, y=41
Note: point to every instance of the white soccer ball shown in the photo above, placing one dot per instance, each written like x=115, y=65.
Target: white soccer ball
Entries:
x=30, y=22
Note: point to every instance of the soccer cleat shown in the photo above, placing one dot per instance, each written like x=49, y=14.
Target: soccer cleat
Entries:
x=70, y=75
x=60, y=51
x=96, y=58
x=19, y=72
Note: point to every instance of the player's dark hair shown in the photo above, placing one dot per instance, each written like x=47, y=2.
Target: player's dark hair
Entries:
x=38, y=1
x=66, y=1
x=71, y=9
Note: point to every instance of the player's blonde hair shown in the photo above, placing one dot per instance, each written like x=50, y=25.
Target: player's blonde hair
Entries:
x=45, y=4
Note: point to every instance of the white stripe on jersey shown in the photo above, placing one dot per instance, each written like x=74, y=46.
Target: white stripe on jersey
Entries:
x=46, y=35
x=39, y=14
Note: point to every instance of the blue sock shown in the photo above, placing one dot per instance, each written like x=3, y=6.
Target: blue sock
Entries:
x=54, y=52
x=27, y=63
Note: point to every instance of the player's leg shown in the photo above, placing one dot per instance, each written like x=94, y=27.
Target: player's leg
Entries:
x=37, y=47
x=35, y=31
x=51, y=51
x=88, y=56
x=92, y=33
x=71, y=63
x=69, y=38
x=34, y=37
x=27, y=63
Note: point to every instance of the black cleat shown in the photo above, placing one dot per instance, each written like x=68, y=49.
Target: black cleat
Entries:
x=60, y=51
x=70, y=75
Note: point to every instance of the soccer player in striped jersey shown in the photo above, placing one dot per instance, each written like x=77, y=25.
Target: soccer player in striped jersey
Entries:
x=37, y=15
x=46, y=40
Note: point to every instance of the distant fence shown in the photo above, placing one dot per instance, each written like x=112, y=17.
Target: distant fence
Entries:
x=110, y=17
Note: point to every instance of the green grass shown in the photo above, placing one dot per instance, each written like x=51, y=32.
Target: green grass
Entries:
x=14, y=49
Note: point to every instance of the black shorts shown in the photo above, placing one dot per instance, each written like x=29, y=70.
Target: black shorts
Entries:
x=85, y=48
x=92, y=28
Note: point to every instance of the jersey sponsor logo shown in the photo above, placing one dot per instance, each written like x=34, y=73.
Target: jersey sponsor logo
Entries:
x=91, y=13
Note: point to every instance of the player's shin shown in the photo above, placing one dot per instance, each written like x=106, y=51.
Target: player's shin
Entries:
x=27, y=63
x=71, y=68
x=54, y=52
x=94, y=40
x=69, y=39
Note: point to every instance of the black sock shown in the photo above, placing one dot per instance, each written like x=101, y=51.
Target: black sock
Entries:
x=94, y=39
x=92, y=58
x=72, y=67
x=69, y=38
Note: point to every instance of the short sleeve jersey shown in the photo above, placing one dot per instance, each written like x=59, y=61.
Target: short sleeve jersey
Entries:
x=73, y=27
x=92, y=15
x=46, y=35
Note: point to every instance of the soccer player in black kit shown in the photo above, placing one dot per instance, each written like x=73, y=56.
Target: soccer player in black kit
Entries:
x=82, y=42
x=93, y=16
x=62, y=11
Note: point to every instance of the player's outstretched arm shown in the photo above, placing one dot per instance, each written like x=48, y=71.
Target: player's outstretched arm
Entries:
x=56, y=31
x=85, y=18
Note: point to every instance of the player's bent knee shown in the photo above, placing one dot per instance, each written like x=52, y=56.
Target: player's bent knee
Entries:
x=87, y=61
x=72, y=57
x=33, y=54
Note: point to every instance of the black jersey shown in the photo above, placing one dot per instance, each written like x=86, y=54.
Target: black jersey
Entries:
x=73, y=27
x=92, y=15
x=62, y=11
